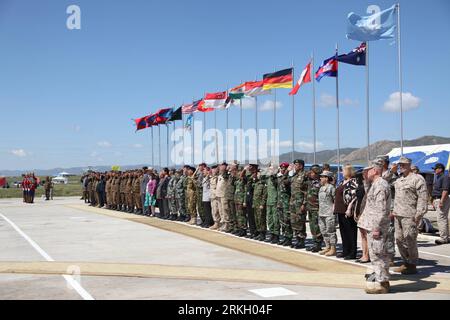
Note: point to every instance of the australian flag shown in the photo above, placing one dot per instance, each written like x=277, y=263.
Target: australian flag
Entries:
x=356, y=57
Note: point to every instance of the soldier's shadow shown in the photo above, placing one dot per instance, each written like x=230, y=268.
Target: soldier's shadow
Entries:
x=417, y=282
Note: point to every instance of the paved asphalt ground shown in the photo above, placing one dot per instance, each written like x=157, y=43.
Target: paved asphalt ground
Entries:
x=65, y=250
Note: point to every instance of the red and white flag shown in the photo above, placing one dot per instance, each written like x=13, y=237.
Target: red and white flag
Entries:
x=188, y=108
x=305, y=77
x=215, y=100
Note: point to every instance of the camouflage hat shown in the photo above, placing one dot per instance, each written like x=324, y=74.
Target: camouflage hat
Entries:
x=316, y=169
x=377, y=163
x=328, y=174
x=404, y=160
x=300, y=161
x=383, y=158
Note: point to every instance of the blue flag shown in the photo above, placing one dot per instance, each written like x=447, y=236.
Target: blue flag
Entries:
x=356, y=57
x=188, y=123
x=378, y=26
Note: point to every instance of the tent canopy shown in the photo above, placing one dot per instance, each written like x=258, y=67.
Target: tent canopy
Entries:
x=424, y=157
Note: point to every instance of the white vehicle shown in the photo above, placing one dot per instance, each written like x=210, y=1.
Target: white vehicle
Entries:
x=60, y=180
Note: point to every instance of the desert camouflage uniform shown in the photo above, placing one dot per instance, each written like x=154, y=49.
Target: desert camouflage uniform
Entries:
x=191, y=196
x=129, y=193
x=115, y=192
x=410, y=205
x=136, y=189
x=198, y=177
x=390, y=178
x=376, y=217
x=213, y=197
x=327, y=219
x=108, y=191
x=123, y=198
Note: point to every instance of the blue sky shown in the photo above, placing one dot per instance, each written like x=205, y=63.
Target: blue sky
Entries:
x=68, y=95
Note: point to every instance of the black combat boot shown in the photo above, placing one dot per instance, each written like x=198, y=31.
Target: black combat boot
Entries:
x=262, y=236
x=317, y=247
x=275, y=239
x=280, y=240
x=269, y=238
x=300, y=244
x=287, y=242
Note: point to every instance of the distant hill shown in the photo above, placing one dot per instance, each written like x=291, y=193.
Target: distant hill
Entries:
x=348, y=155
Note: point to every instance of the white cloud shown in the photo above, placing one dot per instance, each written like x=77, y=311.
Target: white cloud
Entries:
x=285, y=144
x=269, y=104
x=137, y=145
x=104, y=144
x=305, y=146
x=19, y=153
x=328, y=100
x=409, y=102
x=247, y=103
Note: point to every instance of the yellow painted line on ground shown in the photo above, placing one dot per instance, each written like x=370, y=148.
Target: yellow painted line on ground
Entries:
x=320, y=279
x=295, y=258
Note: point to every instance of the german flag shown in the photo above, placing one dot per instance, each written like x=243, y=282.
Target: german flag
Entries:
x=279, y=79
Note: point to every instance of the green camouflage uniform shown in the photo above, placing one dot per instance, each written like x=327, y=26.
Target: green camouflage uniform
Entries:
x=228, y=204
x=284, y=195
x=180, y=195
x=312, y=206
x=239, y=200
x=298, y=191
x=259, y=203
x=171, y=194
x=273, y=220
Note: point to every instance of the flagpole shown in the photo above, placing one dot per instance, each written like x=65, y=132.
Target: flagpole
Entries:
x=184, y=131
x=274, y=120
x=400, y=79
x=192, y=137
x=337, y=120
x=225, y=144
x=159, y=138
x=367, y=102
x=293, y=116
x=153, y=153
x=217, y=145
x=257, y=128
x=241, y=136
x=314, y=106
x=203, y=134
x=167, y=144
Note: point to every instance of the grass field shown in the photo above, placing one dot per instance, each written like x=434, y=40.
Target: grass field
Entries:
x=73, y=188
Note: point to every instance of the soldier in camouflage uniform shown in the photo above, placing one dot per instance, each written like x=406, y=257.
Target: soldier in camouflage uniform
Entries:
x=311, y=204
x=228, y=199
x=122, y=188
x=191, y=195
x=251, y=172
x=129, y=193
x=180, y=194
x=239, y=200
x=390, y=175
x=171, y=190
x=214, y=202
x=410, y=205
x=375, y=220
x=136, y=189
x=108, y=191
x=259, y=206
x=199, y=181
x=272, y=218
x=284, y=195
x=298, y=213
x=327, y=218
x=116, y=191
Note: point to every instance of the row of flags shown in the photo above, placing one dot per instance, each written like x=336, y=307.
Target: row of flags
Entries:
x=380, y=25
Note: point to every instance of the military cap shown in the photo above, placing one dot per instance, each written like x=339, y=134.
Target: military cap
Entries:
x=328, y=174
x=377, y=163
x=316, y=168
x=214, y=166
x=383, y=158
x=438, y=166
x=300, y=161
x=224, y=164
x=404, y=160
x=203, y=164
x=253, y=164
x=284, y=165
